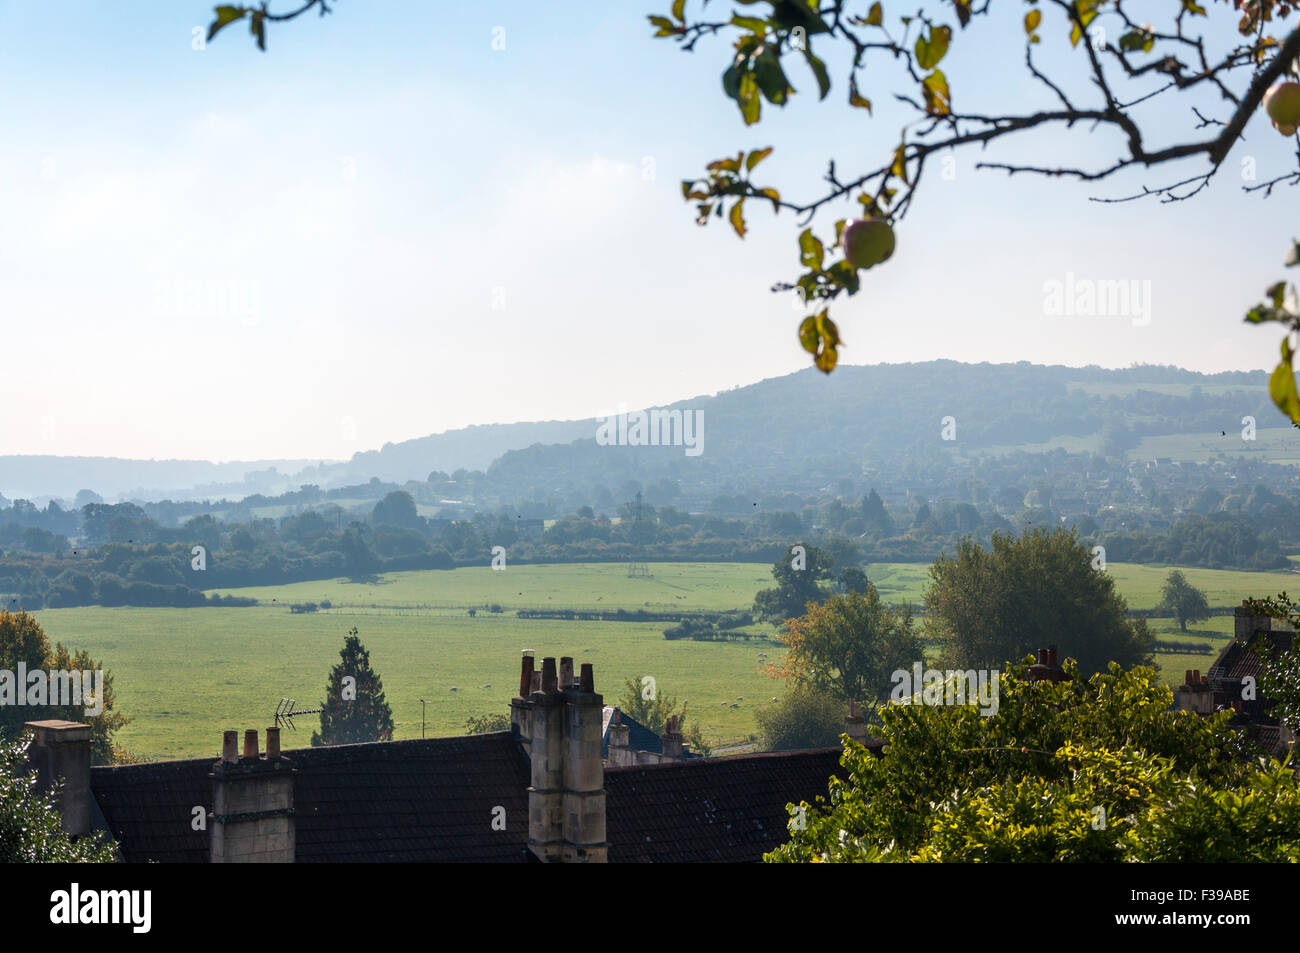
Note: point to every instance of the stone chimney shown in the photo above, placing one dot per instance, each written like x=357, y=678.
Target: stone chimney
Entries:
x=566, y=801
x=252, y=819
x=1194, y=694
x=61, y=749
x=671, y=740
x=855, y=726
x=620, y=740
x=584, y=772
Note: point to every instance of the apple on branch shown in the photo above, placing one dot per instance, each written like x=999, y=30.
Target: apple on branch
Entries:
x=867, y=242
x=1282, y=103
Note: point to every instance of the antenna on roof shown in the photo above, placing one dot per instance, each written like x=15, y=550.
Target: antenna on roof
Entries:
x=285, y=712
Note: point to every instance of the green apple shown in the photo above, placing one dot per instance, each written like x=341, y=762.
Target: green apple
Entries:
x=867, y=242
x=1282, y=103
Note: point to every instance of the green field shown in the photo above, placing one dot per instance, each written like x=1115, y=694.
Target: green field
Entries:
x=185, y=675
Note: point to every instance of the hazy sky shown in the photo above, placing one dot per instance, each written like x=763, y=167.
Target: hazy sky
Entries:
x=383, y=228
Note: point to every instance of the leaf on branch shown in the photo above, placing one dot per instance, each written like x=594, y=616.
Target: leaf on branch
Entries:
x=1137, y=40
x=757, y=156
x=679, y=10
x=899, y=168
x=930, y=51
x=963, y=11
x=811, y=250
x=854, y=98
x=877, y=15
x=1281, y=386
x=737, y=218
x=665, y=25
x=757, y=25
x=1032, y=19
x=819, y=71
x=750, y=104
x=771, y=77
x=774, y=196
x=819, y=336
x=1293, y=254
x=226, y=15
x=725, y=165
x=938, y=101
x=258, y=29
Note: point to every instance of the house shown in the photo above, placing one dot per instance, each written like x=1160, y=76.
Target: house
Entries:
x=1232, y=681
x=540, y=792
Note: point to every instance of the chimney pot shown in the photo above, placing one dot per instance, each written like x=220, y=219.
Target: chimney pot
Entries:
x=250, y=743
x=1196, y=675
x=536, y=685
x=1187, y=677
x=230, y=746
x=566, y=673
x=618, y=717
x=526, y=672
x=548, y=674
x=273, y=742
x=588, y=683
x=855, y=710
x=1051, y=656
x=1042, y=657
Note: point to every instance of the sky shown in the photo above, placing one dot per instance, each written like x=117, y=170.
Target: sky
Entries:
x=384, y=227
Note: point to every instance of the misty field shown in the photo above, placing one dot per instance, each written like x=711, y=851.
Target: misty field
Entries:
x=184, y=675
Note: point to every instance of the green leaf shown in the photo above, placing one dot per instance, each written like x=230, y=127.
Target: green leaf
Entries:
x=1194, y=8
x=811, y=250
x=1281, y=385
x=775, y=198
x=771, y=77
x=876, y=16
x=843, y=273
x=665, y=25
x=1278, y=293
x=226, y=15
x=930, y=51
x=731, y=82
x=679, y=10
x=854, y=98
x=819, y=70
x=938, y=101
x=725, y=165
x=1032, y=19
x=750, y=104
x=258, y=29
x=899, y=168
x=1137, y=40
x=808, y=337
x=755, y=24
x=757, y=156
x=737, y=218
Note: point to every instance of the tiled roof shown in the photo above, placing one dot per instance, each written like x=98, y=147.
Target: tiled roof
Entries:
x=729, y=810
x=426, y=800
x=1239, y=660
x=639, y=737
x=432, y=801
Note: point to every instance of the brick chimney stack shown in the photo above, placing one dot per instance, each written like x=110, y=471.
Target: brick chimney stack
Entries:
x=520, y=722
x=61, y=749
x=1047, y=668
x=252, y=819
x=855, y=726
x=671, y=740
x=566, y=801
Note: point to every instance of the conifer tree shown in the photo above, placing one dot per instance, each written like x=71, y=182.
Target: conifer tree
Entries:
x=354, y=709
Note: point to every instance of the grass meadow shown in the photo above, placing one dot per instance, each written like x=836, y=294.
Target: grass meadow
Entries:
x=184, y=675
